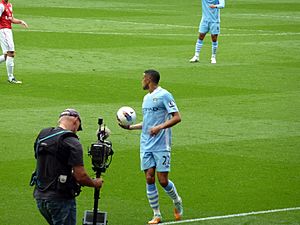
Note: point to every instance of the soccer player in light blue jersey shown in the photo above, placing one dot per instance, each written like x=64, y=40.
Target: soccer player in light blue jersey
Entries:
x=210, y=22
x=160, y=113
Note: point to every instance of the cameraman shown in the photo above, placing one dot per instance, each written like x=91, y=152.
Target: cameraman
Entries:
x=59, y=170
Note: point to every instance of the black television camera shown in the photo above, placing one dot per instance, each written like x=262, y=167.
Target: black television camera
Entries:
x=101, y=153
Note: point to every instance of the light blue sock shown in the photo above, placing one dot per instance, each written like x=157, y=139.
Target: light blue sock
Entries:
x=214, y=48
x=170, y=189
x=198, y=47
x=152, y=195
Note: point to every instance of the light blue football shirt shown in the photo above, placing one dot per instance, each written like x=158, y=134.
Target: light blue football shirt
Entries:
x=209, y=14
x=157, y=108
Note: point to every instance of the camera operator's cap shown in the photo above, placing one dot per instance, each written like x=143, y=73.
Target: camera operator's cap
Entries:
x=74, y=113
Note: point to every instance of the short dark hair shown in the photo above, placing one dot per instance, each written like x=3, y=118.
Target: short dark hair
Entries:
x=153, y=74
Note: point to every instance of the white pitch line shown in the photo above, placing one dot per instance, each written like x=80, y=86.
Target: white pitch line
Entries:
x=157, y=34
x=164, y=25
x=232, y=215
x=64, y=19
x=253, y=15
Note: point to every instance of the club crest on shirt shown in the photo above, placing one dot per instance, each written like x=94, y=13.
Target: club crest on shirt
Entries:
x=155, y=99
x=171, y=104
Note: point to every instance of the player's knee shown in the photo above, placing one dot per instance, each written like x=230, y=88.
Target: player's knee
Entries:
x=201, y=36
x=11, y=53
x=163, y=181
x=150, y=179
x=214, y=37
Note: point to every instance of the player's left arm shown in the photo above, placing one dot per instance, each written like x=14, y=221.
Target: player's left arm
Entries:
x=221, y=5
x=17, y=21
x=176, y=118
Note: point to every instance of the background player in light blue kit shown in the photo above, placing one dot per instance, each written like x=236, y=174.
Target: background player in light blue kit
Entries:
x=210, y=22
x=160, y=113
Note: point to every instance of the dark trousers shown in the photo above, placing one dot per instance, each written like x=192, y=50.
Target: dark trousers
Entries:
x=58, y=212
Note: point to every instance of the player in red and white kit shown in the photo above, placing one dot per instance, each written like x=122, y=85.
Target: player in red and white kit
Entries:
x=6, y=38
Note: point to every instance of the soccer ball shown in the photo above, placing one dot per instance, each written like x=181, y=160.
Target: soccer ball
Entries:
x=126, y=116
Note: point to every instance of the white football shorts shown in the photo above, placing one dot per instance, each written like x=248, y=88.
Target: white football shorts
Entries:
x=6, y=40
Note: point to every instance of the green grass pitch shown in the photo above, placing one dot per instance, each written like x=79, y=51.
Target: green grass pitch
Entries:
x=237, y=147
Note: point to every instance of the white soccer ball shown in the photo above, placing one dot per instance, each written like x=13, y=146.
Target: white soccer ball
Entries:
x=126, y=116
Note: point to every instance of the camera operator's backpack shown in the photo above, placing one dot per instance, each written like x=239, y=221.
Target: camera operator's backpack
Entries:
x=52, y=169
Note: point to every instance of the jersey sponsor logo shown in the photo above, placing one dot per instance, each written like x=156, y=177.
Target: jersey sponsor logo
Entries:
x=153, y=109
x=171, y=104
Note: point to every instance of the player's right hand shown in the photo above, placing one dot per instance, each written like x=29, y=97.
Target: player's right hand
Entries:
x=24, y=24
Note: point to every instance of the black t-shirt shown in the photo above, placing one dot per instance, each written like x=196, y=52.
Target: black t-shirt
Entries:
x=76, y=152
x=75, y=159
